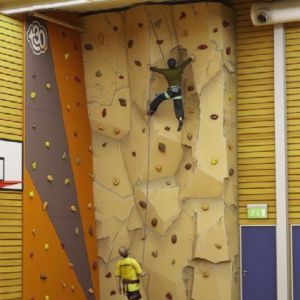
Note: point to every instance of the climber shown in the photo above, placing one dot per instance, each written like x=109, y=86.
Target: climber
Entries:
x=173, y=76
x=128, y=273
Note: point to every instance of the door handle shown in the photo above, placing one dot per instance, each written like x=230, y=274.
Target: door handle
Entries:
x=245, y=272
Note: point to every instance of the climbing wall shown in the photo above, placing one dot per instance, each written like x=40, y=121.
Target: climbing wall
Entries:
x=169, y=196
x=60, y=258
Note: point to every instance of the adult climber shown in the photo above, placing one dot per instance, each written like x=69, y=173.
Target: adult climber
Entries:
x=128, y=272
x=173, y=77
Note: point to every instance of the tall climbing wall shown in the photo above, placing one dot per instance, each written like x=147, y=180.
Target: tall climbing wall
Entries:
x=169, y=196
x=60, y=257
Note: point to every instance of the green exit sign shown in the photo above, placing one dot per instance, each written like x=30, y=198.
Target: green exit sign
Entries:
x=257, y=211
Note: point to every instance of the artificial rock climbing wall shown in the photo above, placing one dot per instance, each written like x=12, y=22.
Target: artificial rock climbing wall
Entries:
x=169, y=196
x=60, y=257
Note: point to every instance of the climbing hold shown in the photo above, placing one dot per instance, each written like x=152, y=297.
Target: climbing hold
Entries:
x=215, y=30
x=91, y=291
x=225, y=24
x=138, y=63
x=122, y=102
x=34, y=165
x=229, y=97
x=77, y=230
x=104, y=144
x=182, y=15
x=47, y=144
x=190, y=88
x=168, y=182
x=154, y=222
x=173, y=261
x=95, y=266
x=188, y=166
x=67, y=181
x=214, y=116
x=231, y=172
x=98, y=73
x=77, y=161
x=34, y=76
x=104, y=113
x=202, y=47
x=116, y=181
x=73, y=289
x=48, y=86
x=68, y=107
x=47, y=297
x=71, y=265
x=73, y=208
x=218, y=245
x=143, y=236
x=174, y=239
x=115, y=28
x=228, y=50
x=88, y=47
x=117, y=131
x=204, y=206
x=90, y=148
x=143, y=204
x=33, y=95
x=77, y=78
x=90, y=205
x=31, y=194
x=33, y=231
x=33, y=126
x=130, y=43
x=229, y=146
x=64, y=156
x=189, y=136
x=133, y=153
x=45, y=205
x=214, y=161
x=50, y=178
x=205, y=274
x=143, y=130
x=158, y=168
x=121, y=77
x=140, y=25
x=159, y=42
x=154, y=253
x=101, y=128
x=91, y=230
x=162, y=147
x=167, y=128
x=91, y=175
x=63, y=285
x=112, y=293
x=67, y=56
x=169, y=296
x=31, y=254
x=46, y=247
x=43, y=276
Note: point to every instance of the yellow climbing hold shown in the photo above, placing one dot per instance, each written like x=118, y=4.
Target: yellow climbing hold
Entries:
x=50, y=178
x=91, y=291
x=229, y=96
x=73, y=208
x=48, y=86
x=67, y=181
x=33, y=95
x=218, y=245
x=45, y=205
x=78, y=161
x=67, y=56
x=116, y=181
x=205, y=206
x=31, y=194
x=77, y=230
x=47, y=144
x=34, y=165
x=46, y=247
x=205, y=274
x=64, y=156
x=47, y=297
x=63, y=285
x=214, y=161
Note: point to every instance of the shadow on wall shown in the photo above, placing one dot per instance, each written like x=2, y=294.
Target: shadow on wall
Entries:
x=165, y=194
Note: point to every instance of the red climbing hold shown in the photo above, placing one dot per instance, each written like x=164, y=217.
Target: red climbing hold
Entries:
x=202, y=47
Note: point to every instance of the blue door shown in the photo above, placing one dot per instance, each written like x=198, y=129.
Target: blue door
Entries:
x=296, y=261
x=258, y=263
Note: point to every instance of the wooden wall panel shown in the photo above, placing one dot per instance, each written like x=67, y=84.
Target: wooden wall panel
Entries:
x=11, y=128
x=255, y=93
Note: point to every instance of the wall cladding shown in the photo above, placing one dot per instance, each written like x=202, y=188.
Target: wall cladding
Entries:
x=11, y=128
x=169, y=196
x=60, y=258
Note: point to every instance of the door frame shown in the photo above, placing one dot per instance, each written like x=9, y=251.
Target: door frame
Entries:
x=292, y=260
x=241, y=252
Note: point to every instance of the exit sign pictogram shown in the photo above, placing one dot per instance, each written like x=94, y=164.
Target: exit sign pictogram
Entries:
x=257, y=211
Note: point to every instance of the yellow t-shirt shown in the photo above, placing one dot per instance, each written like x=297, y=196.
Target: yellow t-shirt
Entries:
x=128, y=268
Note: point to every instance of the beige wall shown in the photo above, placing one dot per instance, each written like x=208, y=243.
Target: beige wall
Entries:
x=187, y=187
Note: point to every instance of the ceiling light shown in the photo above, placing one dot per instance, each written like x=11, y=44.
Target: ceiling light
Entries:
x=43, y=6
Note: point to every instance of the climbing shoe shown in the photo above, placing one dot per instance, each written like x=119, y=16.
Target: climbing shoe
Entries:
x=150, y=112
x=180, y=124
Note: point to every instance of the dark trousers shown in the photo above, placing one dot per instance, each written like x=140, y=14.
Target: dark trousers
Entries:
x=178, y=105
x=133, y=295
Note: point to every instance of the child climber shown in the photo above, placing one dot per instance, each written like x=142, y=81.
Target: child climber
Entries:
x=173, y=76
